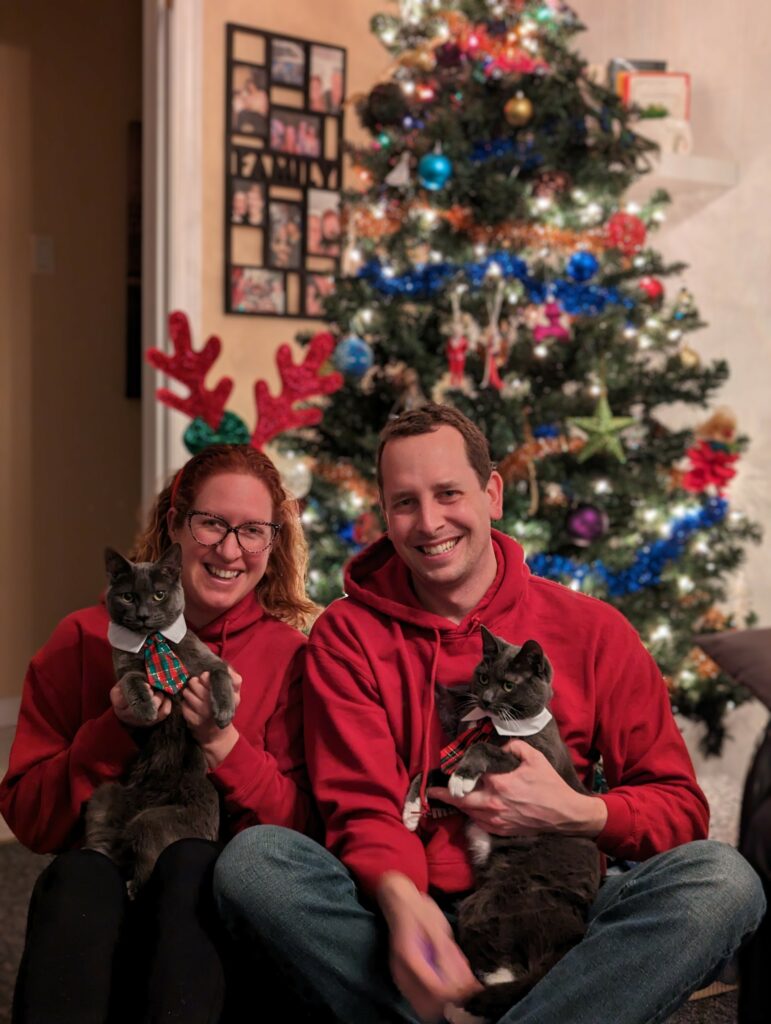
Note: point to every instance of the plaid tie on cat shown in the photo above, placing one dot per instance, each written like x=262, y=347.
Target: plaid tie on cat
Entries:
x=453, y=752
x=165, y=671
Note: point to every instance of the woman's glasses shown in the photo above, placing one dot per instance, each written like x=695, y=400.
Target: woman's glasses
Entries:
x=210, y=530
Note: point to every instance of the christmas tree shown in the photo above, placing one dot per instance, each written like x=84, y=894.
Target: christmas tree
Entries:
x=493, y=263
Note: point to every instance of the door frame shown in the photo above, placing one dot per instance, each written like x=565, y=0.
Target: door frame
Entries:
x=172, y=208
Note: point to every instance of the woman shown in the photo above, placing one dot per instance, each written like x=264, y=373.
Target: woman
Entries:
x=90, y=955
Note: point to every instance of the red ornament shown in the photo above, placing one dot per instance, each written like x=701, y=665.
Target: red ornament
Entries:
x=455, y=351
x=491, y=377
x=367, y=529
x=652, y=288
x=626, y=232
x=712, y=465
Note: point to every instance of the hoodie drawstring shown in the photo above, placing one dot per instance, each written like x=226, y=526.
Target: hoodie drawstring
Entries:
x=427, y=719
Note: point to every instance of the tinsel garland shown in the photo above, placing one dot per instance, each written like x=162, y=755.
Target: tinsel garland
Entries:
x=649, y=562
x=379, y=223
x=428, y=279
x=523, y=152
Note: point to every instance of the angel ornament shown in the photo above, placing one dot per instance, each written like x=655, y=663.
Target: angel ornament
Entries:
x=457, y=345
x=493, y=342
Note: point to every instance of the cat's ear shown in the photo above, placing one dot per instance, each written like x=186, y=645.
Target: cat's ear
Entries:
x=490, y=644
x=170, y=562
x=115, y=564
x=532, y=654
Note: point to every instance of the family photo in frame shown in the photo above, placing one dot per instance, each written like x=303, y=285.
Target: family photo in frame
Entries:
x=283, y=139
x=249, y=100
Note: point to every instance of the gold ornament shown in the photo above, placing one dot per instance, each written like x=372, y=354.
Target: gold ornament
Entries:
x=409, y=59
x=425, y=60
x=518, y=111
x=721, y=426
x=343, y=473
x=689, y=357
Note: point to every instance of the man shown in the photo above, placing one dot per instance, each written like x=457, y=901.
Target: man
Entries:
x=410, y=622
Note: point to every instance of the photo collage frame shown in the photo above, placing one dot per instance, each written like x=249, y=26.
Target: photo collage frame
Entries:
x=284, y=162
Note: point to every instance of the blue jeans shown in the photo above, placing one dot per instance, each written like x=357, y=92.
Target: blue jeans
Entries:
x=655, y=933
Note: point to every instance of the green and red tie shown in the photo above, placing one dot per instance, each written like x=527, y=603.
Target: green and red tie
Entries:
x=165, y=671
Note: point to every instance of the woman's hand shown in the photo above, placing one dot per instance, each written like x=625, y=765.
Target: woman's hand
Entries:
x=215, y=743
x=123, y=711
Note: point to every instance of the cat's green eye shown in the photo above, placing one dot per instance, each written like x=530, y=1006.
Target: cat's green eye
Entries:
x=508, y=687
x=159, y=595
x=128, y=598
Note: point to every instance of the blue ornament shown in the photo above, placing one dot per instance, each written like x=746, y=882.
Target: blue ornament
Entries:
x=434, y=171
x=582, y=266
x=353, y=356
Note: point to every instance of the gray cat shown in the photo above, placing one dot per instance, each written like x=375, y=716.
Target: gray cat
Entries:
x=531, y=895
x=166, y=794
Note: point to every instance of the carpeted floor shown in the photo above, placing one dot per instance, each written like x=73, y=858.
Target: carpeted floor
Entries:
x=19, y=869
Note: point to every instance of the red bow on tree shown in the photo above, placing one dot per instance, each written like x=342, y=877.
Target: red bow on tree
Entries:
x=712, y=464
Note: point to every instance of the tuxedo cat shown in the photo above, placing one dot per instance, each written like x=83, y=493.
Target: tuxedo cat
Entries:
x=531, y=894
x=166, y=794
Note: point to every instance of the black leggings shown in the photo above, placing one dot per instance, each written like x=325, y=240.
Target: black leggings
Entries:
x=755, y=956
x=93, y=957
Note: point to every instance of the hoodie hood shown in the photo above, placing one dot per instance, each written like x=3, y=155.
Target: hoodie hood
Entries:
x=228, y=632
x=379, y=579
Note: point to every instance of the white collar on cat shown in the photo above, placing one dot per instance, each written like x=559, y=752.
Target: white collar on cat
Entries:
x=517, y=727
x=129, y=640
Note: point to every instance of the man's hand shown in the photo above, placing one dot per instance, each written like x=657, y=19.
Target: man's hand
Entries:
x=123, y=711
x=530, y=800
x=427, y=965
x=215, y=743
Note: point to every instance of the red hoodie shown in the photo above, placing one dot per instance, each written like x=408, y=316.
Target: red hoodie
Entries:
x=68, y=739
x=373, y=660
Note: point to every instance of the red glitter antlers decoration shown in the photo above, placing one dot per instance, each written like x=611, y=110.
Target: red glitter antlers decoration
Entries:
x=211, y=423
x=189, y=368
x=275, y=415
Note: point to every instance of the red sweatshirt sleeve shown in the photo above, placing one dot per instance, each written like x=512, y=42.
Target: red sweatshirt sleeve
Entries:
x=654, y=803
x=263, y=780
x=58, y=758
x=354, y=769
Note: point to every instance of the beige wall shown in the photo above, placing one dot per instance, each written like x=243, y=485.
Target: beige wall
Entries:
x=70, y=81
x=725, y=235
x=249, y=343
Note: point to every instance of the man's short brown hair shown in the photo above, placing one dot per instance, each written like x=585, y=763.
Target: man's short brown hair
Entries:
x=426, y=420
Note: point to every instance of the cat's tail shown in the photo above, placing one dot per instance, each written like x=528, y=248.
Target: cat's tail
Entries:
x=499, y=995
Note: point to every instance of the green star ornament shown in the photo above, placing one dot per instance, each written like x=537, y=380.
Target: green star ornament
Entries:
x=602, y=429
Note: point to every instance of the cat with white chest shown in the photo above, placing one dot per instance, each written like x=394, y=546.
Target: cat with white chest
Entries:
x=531, y=894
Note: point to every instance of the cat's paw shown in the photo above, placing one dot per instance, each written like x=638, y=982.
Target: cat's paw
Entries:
x=411, y=814
x=223, y=703
x=223, y=716
x=479, y=844
x=144, y=710
x=461, y=785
